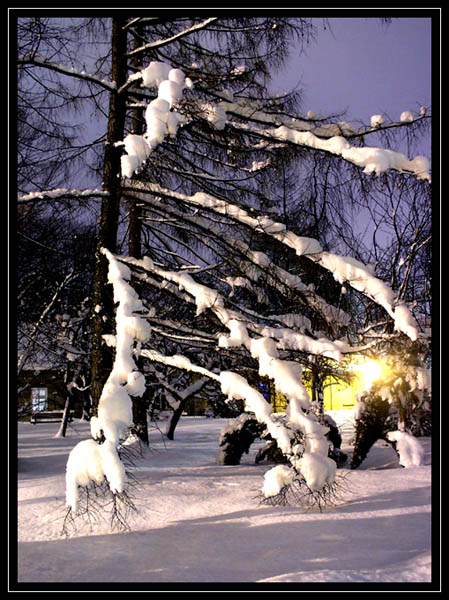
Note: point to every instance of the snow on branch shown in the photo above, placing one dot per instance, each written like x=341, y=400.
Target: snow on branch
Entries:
x=40, y=61
x=177, y=36
x=89, y=460
x=61, y=193
x=318, y=470
x=175, y=397
x=308, y=457
x=259, y=260
x=179, y=362
x=255, y=262
x=125, y=378
x=261, y=223
x=330, y=137
x=344, y=269
x=208, y=298
x=250, y=111
x=372, y=159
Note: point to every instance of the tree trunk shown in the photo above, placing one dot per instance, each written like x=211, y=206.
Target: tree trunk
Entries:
x=135, y=213
x=68, y=403
x=65, y=417
x=175, y=418
x=102, y=298
x=182, y=399
x=140, y=404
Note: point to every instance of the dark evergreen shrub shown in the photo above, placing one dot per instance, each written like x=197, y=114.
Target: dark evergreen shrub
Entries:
x=237, y=440
x=372, y=424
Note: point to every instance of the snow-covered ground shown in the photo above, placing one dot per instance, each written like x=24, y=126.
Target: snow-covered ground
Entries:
x=202, y=522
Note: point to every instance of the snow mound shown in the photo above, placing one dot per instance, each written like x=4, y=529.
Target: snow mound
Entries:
x=411, y=453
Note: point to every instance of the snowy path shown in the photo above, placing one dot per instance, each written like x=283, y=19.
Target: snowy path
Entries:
x=199, y=522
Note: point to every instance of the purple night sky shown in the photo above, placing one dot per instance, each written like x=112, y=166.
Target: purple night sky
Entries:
x=364, y=67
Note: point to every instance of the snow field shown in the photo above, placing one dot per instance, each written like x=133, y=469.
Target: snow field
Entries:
x=202, y=522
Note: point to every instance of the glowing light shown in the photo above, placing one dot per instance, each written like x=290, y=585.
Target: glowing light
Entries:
x=369, y=371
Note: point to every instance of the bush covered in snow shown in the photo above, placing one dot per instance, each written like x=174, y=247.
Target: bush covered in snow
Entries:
x=378, y=418
x=237, y=437
x=372, y=422
x=409, y=449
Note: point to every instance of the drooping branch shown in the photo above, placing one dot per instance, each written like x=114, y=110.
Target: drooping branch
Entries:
x=42, y=62
x=167, y=41
x=371, y=159
x=61, y=194
x=344, y=269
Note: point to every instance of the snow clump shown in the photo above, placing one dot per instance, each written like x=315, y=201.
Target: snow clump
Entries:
x=155, y=73
x=419, y=379
x=411, y=453
x=377, y=120
x=318, y=470
x=89, y=461
x=406, y=117
x=277, y=478
x=215, y=114
x=160, y=118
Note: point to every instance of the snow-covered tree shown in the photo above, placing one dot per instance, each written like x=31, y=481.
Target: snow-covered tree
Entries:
x=227, y=268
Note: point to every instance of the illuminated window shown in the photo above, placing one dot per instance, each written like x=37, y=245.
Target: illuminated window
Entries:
x=39, y=399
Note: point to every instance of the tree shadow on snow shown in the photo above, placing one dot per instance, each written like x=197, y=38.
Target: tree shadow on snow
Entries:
x=208, y=550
